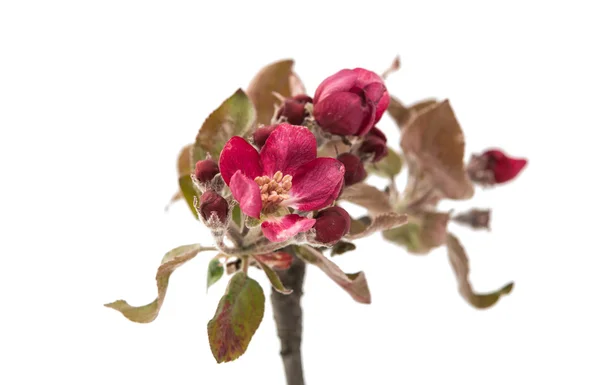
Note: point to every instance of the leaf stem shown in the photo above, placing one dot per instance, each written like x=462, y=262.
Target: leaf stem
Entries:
x=245, y=263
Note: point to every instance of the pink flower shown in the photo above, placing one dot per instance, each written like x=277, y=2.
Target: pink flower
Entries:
x=493, y=167
x=286, y=173
x=350, y=102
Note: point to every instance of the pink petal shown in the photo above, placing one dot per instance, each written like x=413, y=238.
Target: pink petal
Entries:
x=283, y=228
x=247, y=193
x=287, y=148
x=239, y=155
x=340, y=81
x=316, y=184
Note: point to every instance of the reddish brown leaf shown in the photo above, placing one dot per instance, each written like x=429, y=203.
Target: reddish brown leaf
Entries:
x=434, y=141
x=379, y=223
x=355, y=284
x=367, y=196
x=276, y=77
x=171, y=261
x=460, y=265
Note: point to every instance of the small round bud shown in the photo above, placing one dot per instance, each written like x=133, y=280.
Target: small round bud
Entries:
x=206, y=170
x=293, y=109
x=355, y=171
x=331, y=224
x=261, y=134
x=375, y=147
x=213, y=203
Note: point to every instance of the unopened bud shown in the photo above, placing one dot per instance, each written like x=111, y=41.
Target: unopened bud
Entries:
x=375, y=145
x=355, y=170
x=493, y=167
x=206, y=170
x=475, y=218
x=213, y=204
x=331, y=225
x=293, y=109
x=262, y=133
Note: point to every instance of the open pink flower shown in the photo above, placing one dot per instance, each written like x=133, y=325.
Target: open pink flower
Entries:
x=286, y=173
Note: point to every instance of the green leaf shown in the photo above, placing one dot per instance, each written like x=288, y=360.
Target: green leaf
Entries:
x=237, y=318
x=407, y=236
x=184, y=168
x=380, y=222
x=354, y=284
x=171, y=261
x=273, y=278
x=235, y=116
x=388, y=167
x=435, y=141
x=215, y=271
x=460, y=265
x=342, y=247
x=186, y=186
x=275, y=77
x=236, y=215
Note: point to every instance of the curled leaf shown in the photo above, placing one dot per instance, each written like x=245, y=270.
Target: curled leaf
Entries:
x=278, y=260
x=238, y=315
x=274, y=278
x=171, y=261
x=342, y=247
x=380, y=222
x=215, y=271
x=274, y=78
x=434, y=140
x=460, y=265
x=369, y=197
x=355, y=284
x=235, y=116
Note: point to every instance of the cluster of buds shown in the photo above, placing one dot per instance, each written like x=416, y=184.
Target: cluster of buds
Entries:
x=212, y=207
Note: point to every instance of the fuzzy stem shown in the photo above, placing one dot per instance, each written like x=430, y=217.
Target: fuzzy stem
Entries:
x=288, y=319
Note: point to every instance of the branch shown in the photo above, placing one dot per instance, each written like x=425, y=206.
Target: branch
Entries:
x=288, y=319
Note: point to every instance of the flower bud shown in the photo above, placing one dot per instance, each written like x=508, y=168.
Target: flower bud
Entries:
x=206, y=170
x=350, y=102
x=494, y=167
x=213, y=204
x=374, y=145
x=331, y=225
x=474, y=218
x=354, y=169
x=261, y=134
x=293, y=109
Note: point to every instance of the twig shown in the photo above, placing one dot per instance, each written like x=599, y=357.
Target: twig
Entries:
x=288, y=319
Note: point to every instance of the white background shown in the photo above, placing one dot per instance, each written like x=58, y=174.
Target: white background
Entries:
x=96, y=99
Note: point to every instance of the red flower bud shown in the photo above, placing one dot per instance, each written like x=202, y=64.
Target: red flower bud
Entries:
x=350, y=102
x=212, y=203
x=293, y=109
x=206, y=170
x=355, y=171
x=332, y=224
x=493, y=167
x=374, y=145
x=262, y=133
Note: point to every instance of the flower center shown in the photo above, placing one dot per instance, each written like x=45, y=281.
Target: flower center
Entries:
x=274, y=190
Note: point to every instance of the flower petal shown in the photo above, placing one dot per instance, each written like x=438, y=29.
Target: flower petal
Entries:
x=316, y=184
x=287, y=148
x=237, y=155
x=345, y=113
x=283, y=228
x=342, y=80
x=247, y=193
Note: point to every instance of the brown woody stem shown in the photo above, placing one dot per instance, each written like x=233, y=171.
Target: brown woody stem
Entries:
x=288, y=319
